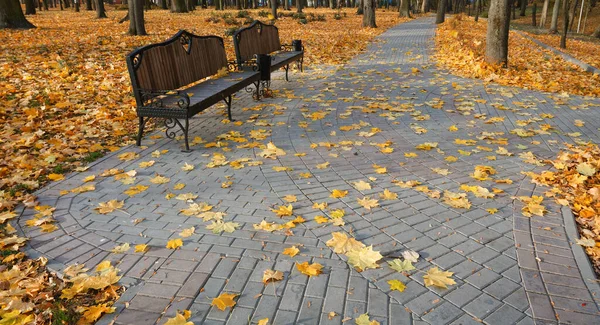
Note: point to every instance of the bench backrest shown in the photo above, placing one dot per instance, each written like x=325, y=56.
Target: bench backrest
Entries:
x=181, y=60
x=258, y=38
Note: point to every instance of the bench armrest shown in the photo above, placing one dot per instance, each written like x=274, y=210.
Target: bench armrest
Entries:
x=164, y=99
x=289, y=47
x=251, y=64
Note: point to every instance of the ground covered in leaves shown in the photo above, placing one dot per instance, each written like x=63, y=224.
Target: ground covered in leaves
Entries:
x=585, y=50
x=65, y=100
x=460, y=44
x=65, y=95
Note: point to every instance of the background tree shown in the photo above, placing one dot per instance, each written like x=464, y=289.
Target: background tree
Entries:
x=88, y=5
x=523, y=6
x=404, y=8
x=369, y=13
x=299, y=6
x=554, y=22
x=563, y=36
x=544, y=15
x=425, y=6
x=496, y=49
x=11, y=15
x=29, y=7
x=360, y=8
x=274, y=8
x=596, y=32
x=136, y=17
x=177, y=6
x=100, y=12
x=441, y=12
x=163, y=4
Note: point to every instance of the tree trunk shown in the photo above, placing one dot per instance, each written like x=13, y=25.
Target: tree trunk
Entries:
x=360, y=9
x=45, y=4
x=523, y=8
x=563, y=37
x=178, y=5
x=596, y=32
x=274, y=8
x=441, y=12
x=477, y=4
x=136, y=17
x=404, y=8
x=286, y=4
x=533, y=14
x=369, y=13
x=76, y=4
x=11, y=15
x=496, y=50
x=555, y=12
x=572, y=13
x=88, y=5
x=100, y=12
x=299, y=6
x=544, y=15
x=29, y=7
x=425, y=6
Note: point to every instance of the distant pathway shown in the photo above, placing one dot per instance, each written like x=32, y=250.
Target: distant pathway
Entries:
x=509, y=269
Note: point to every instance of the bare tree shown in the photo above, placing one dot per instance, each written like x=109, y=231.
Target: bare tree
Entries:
x=11, y=15
x=496, y=50
x=404, y=8
x=274, y=8
x=100, y=12
x=544, y=15
x=299, y=6
x=136, y=17
x=441, y=12
x=555, y=12
x=369, y=13
x=563, y=36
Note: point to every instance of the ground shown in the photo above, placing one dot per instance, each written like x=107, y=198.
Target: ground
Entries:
x=337, y=127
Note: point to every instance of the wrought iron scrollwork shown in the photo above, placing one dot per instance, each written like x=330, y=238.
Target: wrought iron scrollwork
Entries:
x=186, y=42
x=164, y=99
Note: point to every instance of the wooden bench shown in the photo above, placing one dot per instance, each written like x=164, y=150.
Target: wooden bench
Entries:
x=181, y=77
x=260, y=38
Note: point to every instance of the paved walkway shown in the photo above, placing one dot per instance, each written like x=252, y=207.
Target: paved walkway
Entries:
x=509, y=269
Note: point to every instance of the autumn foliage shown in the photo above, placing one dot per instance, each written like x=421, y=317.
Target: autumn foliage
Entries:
x=65, y=96
x=460, y=45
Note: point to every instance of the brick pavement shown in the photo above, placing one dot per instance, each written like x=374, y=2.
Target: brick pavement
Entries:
x=509, y=269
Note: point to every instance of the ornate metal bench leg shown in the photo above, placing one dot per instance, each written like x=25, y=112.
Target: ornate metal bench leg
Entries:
x=185, y=134
x=257, y=85
x=227, y=101
x=142, y=123
x=302, y=64
x=287, y=68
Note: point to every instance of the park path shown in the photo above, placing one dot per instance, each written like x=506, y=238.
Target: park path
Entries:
x=509, y=269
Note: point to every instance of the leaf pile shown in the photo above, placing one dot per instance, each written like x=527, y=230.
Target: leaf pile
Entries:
x=460, y=47
x=588, y=52
x=575, y=181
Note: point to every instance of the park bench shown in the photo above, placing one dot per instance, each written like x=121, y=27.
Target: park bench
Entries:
x=183, y=76
x=263, y=39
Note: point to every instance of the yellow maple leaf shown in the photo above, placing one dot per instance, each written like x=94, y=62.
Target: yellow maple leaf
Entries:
x=491, y=210
x=290, y=198
x=179, y=186
x=110, y=206
x=452, y=128
x=120, y=249
x=272, y=276
x=281, y=168
x=92, y=313
x=284, y=211
x=323, y=165
x=410, y=155
x=396, y=285
x=435, y=277
x=224, y=300
x=264, y=321
x=341, y=243
x=388, y=195
x=140, y=248
x=146, y=164
x=179, y=319
x=313, y=269
x=48, y=227
x=126, y=156
x=271, y=152
x=174, y=243
x=368, y=203
x=187, y=167
x=89, y=178
x=364, y=318
x=362, y=185
x=159, y=180
x=364, y=258
x=137, y=189
x=450, y=159
x=337, y=194
x=319, y=206
x=187, y=232
x=291, y=251
x=56, y=177
x=321, y=219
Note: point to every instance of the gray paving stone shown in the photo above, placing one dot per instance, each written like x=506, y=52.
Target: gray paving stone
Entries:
x=482, y=306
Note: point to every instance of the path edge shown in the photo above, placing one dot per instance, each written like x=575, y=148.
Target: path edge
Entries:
x=583, y=262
